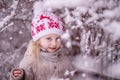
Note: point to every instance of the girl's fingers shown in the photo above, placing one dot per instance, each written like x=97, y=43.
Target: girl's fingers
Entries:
x=16, y=73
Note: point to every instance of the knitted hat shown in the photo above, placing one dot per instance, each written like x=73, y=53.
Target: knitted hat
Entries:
x=46, y=23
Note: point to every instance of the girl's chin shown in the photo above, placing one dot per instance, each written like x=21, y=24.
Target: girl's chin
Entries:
x=52, y=51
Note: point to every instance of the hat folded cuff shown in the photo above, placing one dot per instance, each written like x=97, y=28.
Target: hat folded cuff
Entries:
x=46, y=32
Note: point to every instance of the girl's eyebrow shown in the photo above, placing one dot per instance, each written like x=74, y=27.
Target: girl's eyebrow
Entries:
x=58, y=37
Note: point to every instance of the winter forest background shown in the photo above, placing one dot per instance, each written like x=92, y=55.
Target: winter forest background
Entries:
x=92, y=35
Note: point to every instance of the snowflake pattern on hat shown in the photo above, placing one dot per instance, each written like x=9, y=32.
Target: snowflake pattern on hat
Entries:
x=46, y=23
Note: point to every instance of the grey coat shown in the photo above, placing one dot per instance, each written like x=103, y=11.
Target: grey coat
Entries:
x=49, y=67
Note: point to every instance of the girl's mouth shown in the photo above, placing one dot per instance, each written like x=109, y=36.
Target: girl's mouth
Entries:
x=53, y=48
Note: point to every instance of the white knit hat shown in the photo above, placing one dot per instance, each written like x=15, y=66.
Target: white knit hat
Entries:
x=46, y=23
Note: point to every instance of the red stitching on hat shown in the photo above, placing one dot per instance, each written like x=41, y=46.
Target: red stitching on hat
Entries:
x=32, y=33
x=40, y=28
x=43, y=17
x=53, y=25
x=63, y=28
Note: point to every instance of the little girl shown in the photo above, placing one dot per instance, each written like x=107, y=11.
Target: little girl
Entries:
x=43, y=59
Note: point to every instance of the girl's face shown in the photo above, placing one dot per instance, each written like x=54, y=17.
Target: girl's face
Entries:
x=50, y=42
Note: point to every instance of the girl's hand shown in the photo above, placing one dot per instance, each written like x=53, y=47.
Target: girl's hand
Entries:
x=16, y=72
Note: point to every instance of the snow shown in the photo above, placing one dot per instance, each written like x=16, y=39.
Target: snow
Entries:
x=114, y=70
x=112, y=13
x=87, y=63
x=6, y=26
x=65, y=3
x=109, y=23
x=48, y=4
x=66, y=35
x=7, y=18
x=114, y=29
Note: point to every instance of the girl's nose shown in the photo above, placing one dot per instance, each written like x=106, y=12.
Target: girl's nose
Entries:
x=54, y=43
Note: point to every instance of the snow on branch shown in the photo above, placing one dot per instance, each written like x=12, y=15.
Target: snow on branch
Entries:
x=7, y=18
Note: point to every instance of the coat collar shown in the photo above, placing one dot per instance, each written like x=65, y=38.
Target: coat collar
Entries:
x=51, y=57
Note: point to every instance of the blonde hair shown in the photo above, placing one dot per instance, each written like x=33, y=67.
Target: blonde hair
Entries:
x=33, y=48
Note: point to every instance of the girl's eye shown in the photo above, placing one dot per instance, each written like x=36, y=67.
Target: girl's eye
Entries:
x=58, y=39
x=49, y=39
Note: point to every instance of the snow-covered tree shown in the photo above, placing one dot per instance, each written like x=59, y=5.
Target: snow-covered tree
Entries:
x=92, y=35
